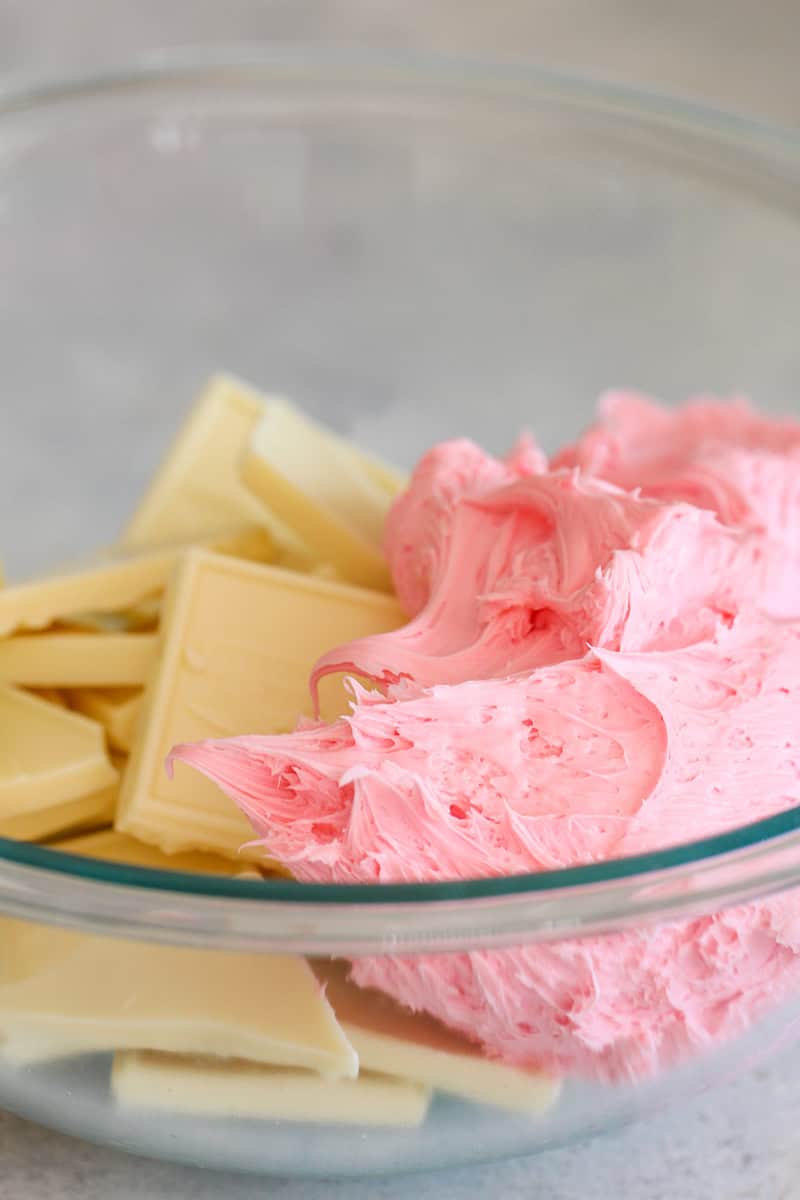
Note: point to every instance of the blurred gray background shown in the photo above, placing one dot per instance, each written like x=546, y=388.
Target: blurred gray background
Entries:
x=741, y=1142
x=738, y=53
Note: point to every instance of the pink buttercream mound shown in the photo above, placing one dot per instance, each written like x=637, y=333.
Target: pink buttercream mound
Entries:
x=619, y=1007
x=533, y=572
x=715, y=454
x=418, y=526
x=603, y=659
x=614, y=753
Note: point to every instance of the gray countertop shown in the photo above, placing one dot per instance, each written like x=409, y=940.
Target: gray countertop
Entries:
x=740, y=1141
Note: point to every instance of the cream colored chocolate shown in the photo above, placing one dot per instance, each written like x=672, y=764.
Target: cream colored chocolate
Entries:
x=395, y=1041
x=68, y=816
x=243, y=1089
x=74, y=660
x=114, y=581
x=142, y=618
x=117, y=710
x=238, y=641
x=51, y=695
x=48, y=756
x=197, y=490
x=64, y=993
x=147, y=614
x=110, y=845
x=334, y=497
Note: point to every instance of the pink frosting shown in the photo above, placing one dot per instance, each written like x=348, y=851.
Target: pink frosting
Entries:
x=586, y=759
x=611, y=754
x=418, y=526
x=617, y=1007
x=535, y=571
x=595, y=667
x=714, y=454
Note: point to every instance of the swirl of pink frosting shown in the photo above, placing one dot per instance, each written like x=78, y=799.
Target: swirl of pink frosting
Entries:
x=582, y=760
x=418, y=526
x=537, y=570
x=603, y=659
x=715, y=454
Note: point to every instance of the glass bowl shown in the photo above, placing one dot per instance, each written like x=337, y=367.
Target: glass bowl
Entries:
x=412, y=249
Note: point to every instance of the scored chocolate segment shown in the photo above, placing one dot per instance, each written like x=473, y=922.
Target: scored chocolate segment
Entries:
x=238, y=641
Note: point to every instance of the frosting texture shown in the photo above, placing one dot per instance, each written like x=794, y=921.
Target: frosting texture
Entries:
x=603, y=658
x=715, y=454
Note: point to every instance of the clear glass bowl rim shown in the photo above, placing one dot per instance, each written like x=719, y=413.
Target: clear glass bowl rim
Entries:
x=752, y=860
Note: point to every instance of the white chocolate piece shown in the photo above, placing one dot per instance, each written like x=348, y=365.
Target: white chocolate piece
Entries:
x=68, y=816
x=113, y=582
x=74, y=660
x=395, y=1041
x=64, y=993
x=197, y=490
x=51, y=695
x=238, y=642
x=116, y=709
x=328, y=492
x=110, y=845
x=48, y=756
x=243, y=1089
x=142, y=618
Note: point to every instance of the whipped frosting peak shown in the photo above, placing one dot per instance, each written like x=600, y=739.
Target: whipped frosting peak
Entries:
x=418, y=525
x=715, y=454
